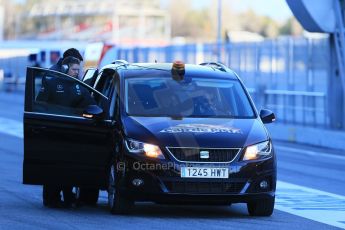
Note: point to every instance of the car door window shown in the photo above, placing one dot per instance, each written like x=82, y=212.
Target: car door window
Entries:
x=105, y=84
x=90, y=76
x=114, y=100
x=108, y=86
x=57, y=93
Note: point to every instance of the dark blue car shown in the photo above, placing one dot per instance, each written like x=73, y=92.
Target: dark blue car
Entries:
x=162, y=132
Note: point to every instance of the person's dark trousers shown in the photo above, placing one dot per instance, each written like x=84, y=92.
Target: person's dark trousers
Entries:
x=51, y=195
x=68, y=195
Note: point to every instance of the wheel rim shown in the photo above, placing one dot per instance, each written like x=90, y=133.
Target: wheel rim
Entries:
x=111, y=188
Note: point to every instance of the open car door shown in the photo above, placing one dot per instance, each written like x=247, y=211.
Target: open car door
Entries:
x=63, y=144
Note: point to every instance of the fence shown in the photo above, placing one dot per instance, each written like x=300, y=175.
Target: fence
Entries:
x=288, y=75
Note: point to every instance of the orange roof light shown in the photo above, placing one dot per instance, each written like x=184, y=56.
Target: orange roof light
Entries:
x=179, y=65
x=178, y=70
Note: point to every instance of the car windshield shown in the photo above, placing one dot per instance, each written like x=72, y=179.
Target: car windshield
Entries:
x=193, y=97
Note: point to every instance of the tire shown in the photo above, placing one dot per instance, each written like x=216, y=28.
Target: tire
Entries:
x=88, y=196
x=262, y=207
x=118, y=204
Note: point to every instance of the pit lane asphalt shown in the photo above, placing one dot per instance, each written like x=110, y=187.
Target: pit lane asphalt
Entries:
x=21, y=206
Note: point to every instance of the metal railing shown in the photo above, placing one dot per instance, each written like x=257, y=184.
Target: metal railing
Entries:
x=288, y=75
x=298, y=107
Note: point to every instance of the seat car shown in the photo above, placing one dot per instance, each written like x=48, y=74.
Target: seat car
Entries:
x=161, y=132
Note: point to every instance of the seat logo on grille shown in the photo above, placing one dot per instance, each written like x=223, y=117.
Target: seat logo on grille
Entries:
x=204, y=154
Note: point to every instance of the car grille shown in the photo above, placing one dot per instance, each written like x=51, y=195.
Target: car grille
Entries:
x=205, y=187
x=193, y=154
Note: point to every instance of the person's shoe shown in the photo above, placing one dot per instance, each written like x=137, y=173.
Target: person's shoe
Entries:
x=69, y=205
x=79, y=203
x=55, y=204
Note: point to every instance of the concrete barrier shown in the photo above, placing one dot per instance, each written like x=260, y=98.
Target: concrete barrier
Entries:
x=308, y=135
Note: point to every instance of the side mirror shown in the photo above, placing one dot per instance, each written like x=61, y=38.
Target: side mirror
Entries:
x=267, y=116
x=93, y=112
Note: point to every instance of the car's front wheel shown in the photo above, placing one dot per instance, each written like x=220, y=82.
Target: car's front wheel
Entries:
x=118, y=204
x=262, y=207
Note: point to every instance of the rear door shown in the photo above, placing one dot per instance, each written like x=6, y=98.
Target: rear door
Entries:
x=61, y=146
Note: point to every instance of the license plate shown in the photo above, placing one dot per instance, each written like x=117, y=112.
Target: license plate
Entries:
x=198, y=172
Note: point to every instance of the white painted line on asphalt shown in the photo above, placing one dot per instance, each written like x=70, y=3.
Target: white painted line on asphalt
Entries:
x=11, y=127
x=320, y=206
x=309, y=203
x=309, y=152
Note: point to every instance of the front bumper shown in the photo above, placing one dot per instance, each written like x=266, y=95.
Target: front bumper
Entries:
x=162, y=182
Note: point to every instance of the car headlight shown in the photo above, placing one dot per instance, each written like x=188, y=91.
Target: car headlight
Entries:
x=141, y=148
x=258, y=151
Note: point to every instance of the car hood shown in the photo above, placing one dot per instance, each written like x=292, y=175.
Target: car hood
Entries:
x=195, y=132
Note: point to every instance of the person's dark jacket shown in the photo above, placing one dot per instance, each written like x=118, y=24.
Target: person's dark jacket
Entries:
x=64, y=93
x=57, y=66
